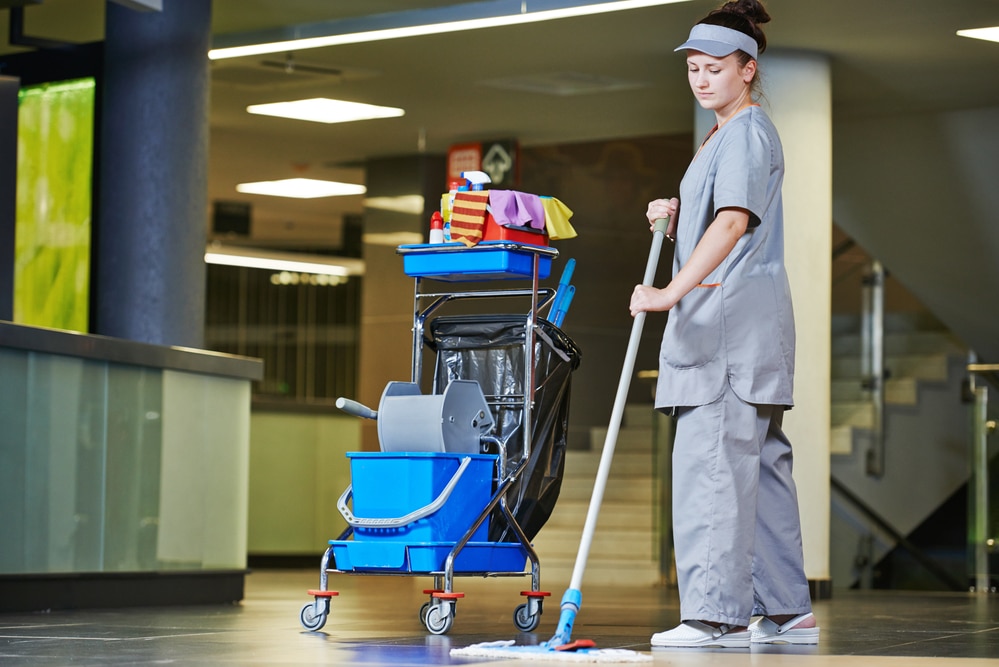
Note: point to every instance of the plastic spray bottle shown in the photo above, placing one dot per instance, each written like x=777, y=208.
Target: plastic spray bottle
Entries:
x=447, y=203
x=436, y=228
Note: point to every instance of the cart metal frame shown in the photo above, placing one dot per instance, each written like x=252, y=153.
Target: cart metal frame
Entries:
x=438, y=613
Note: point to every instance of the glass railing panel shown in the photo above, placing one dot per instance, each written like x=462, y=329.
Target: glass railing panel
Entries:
x=205, y=472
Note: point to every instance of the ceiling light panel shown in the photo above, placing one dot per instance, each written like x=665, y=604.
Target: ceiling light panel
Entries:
x=301, y=188
x=988, y=34
x=325, y=110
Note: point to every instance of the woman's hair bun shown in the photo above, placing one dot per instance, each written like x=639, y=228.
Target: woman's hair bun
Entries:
x=746, y=16
x=751, y=9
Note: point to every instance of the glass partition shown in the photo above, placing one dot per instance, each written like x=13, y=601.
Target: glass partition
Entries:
x=112, y=467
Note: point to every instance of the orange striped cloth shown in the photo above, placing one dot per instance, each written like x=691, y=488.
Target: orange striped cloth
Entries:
x=468, y=216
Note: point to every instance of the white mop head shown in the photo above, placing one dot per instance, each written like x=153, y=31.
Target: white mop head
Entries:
x=507, y=649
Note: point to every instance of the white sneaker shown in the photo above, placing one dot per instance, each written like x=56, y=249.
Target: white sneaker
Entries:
x=691, y=634
x=765, y=631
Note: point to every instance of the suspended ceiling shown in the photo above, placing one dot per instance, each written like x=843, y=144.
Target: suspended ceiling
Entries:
x=573, y=80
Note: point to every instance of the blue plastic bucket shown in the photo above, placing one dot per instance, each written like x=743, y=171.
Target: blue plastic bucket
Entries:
x=393, y=484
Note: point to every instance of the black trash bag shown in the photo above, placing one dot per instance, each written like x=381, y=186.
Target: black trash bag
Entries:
x=490, y=350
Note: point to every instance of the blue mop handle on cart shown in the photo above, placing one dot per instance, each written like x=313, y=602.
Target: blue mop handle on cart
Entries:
x=572, y=599
x=563, y=287
x=562, y=306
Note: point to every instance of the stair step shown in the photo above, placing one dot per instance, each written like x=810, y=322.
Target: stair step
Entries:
x=624, y=463
x=629, y=439
x=894, y=322
x=898, y=391
x=841, y=440
x=855, y=413
x=607, y=543
x=572, y=514
x=900, y=343
x=638, y=415
x=556, y=573
x=919, y=366
x=625, y=490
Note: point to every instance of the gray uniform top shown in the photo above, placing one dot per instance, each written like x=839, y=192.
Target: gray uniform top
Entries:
x=736, y=327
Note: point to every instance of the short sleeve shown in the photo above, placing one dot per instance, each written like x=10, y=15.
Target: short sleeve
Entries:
x=743, y=171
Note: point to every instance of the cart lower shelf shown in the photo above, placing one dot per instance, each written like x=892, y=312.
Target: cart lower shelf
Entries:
x=383, y=556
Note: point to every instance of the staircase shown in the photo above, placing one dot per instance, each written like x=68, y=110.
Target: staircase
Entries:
x=925, y=437
x=925, y=441
x=623, y=551
x=918, y=350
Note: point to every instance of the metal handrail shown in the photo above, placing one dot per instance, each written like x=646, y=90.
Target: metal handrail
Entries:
x=982, y=426
x=873, y=363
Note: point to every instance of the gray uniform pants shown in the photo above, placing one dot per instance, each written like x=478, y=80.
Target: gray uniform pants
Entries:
x=736, y=529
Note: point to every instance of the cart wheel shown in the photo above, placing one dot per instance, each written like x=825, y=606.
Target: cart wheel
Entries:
x=423, y=612
x=523, y=620
x=310, y=619
x=437, y=624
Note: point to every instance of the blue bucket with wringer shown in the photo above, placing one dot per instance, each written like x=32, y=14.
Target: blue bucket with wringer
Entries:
x=409, y=510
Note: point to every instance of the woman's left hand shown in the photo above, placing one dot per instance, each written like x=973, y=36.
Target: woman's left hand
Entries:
x=661, y=208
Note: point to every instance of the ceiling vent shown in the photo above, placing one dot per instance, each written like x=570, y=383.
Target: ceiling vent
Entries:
x=286, y=73
x=565, y=83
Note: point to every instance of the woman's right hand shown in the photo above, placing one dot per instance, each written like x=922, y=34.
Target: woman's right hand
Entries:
x=661, y=209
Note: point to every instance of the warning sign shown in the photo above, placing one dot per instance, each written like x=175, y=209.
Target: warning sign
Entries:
x=499, y=159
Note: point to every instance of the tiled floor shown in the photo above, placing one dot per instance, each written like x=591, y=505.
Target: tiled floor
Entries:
x=375, y=622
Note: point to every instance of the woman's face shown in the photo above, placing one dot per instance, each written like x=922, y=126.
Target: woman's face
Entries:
x=720, y=84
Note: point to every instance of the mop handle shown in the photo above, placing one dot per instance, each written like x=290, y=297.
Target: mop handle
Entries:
x=659, y=231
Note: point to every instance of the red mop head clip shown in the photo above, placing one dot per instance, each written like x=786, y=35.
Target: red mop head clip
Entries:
x=576, y=645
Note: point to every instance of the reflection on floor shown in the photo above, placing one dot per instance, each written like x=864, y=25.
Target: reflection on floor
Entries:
x=375, y=621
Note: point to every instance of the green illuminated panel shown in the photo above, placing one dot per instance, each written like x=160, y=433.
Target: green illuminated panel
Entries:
x=52, y=234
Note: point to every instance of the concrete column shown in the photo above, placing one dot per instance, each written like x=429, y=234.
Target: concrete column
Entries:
x=150, y=238
x=387, y=297
x=797, y=94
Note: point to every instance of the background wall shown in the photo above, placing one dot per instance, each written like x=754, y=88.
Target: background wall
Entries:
x=919, y=193
x=297, y=472
x=608, y=185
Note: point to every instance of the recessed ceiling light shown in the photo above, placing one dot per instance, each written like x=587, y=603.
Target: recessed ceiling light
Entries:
x=988, y=34
x=324, y=110
x=257, y=258
x=301, y=188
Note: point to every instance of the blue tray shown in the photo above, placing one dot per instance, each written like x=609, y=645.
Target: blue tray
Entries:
x=383, y=556
x=488, y=260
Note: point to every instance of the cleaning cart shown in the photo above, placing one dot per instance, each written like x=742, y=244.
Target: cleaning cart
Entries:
x=469, y=472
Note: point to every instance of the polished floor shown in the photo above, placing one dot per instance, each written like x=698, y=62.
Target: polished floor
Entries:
x=375, y=622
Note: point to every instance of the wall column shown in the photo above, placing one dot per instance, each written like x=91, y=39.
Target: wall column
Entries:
x=150, y=238
x=385, y=352
x=797, y=94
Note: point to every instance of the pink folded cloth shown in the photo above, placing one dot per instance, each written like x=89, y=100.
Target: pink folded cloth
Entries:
x=511, y=208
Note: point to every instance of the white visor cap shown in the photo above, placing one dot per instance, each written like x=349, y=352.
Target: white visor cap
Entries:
x=719, y=41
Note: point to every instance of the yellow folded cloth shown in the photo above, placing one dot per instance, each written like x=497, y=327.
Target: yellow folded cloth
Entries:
x=557, y=217
x=468, y=217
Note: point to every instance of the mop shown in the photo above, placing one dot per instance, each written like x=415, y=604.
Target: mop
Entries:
x=561, y=646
